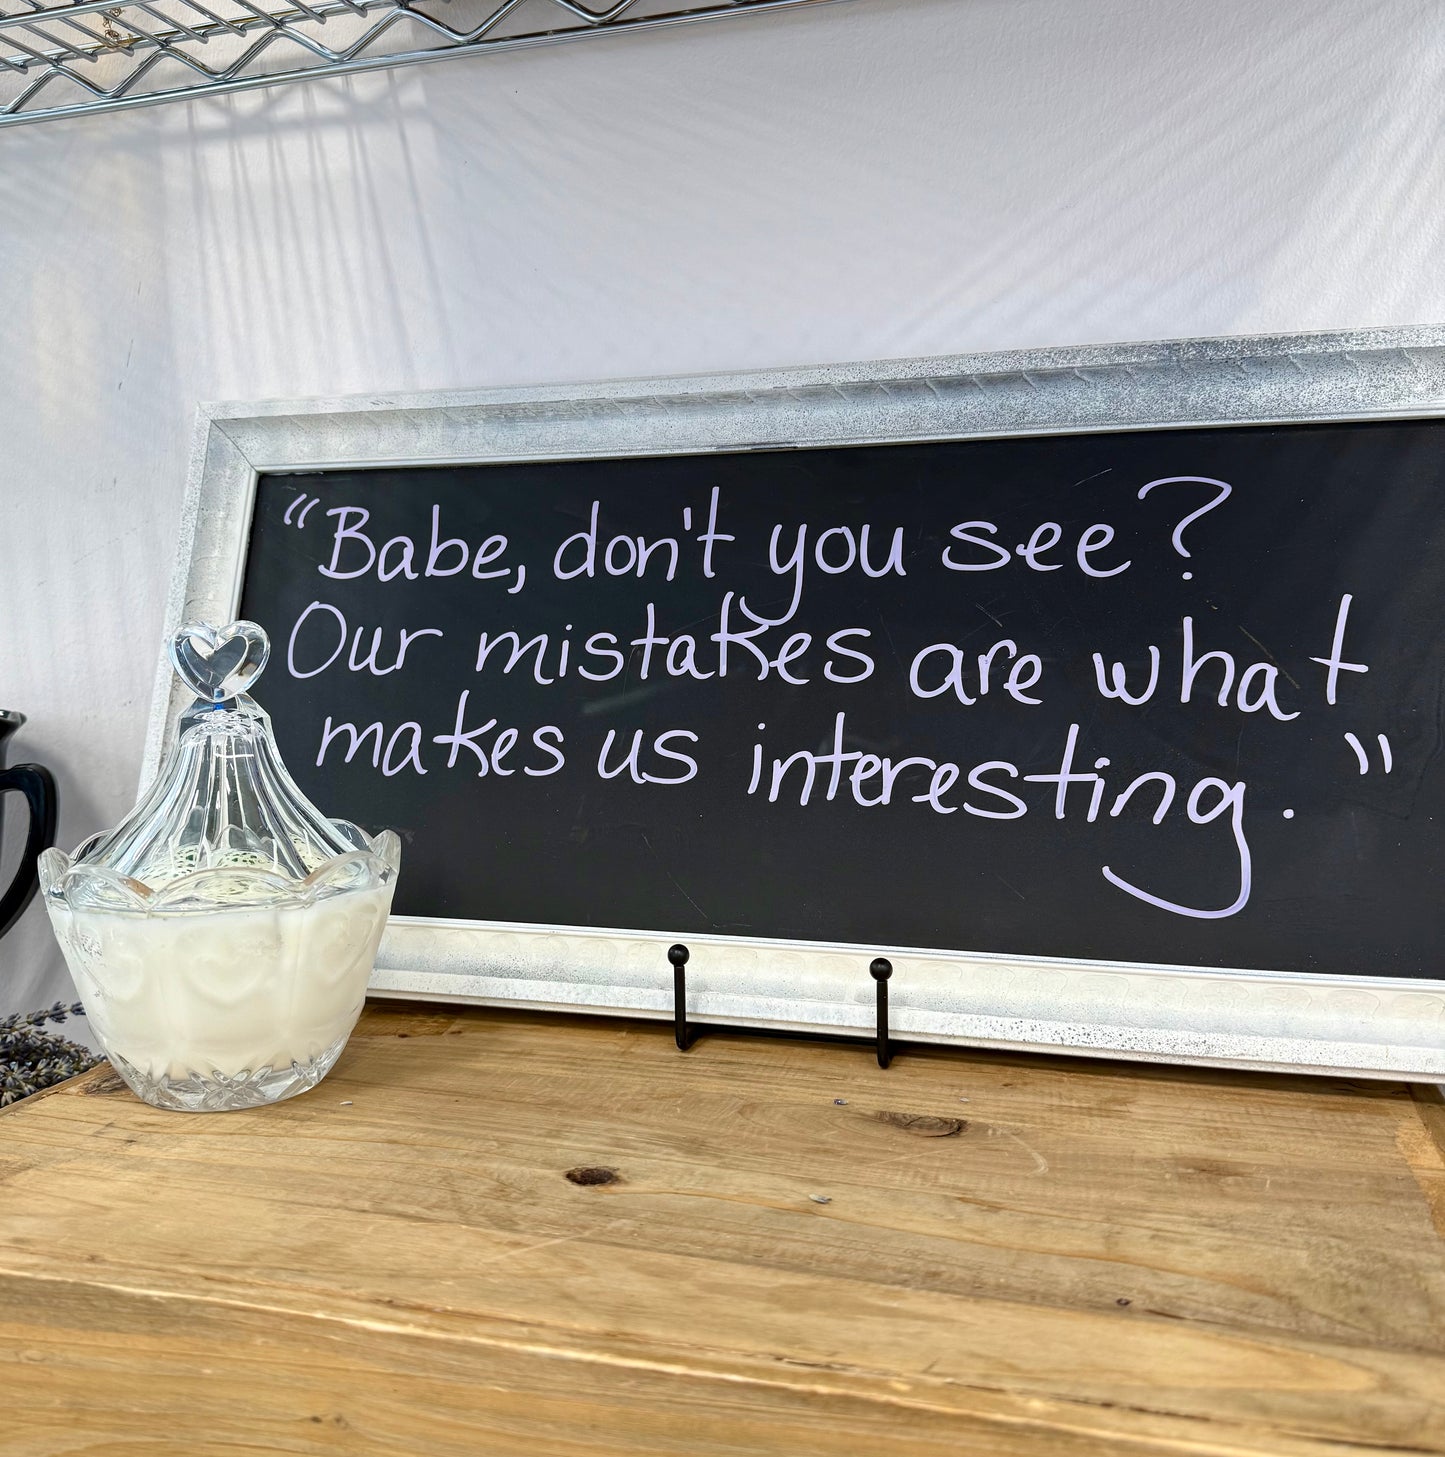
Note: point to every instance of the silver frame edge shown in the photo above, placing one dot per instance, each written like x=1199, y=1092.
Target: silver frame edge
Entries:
x=1359, y=1026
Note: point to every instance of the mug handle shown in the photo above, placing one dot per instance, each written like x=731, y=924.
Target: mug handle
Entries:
x=38, y=787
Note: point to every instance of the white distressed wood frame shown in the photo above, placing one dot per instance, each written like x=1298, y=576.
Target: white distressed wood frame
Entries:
x=1256, y=1018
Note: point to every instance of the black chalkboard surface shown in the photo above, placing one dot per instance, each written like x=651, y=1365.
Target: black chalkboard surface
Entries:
x=1165, y=697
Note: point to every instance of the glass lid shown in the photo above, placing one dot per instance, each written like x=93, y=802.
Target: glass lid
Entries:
x=223, y=798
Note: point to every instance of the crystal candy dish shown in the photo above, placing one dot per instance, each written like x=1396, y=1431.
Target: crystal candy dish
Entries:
x=222, y=935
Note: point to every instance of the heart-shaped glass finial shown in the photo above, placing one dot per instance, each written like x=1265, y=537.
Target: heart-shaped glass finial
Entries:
x=217, y=663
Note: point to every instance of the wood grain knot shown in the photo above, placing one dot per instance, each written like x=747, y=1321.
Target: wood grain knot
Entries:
x=110, y=1082
x=923, y=1125
x=588, y=1176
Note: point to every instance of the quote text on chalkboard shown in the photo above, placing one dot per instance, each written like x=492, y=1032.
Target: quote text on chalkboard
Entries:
x=1164, y=697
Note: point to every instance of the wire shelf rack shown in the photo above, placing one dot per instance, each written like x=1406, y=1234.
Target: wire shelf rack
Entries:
x=80, y=56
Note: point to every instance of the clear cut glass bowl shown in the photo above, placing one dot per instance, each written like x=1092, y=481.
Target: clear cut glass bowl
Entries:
x=222, y=936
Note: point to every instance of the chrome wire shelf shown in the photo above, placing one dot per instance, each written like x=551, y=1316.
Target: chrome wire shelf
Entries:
x=65, y=59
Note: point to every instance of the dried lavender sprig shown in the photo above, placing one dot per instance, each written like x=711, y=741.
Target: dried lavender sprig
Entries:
x=57, y=1013
x=31, y=1060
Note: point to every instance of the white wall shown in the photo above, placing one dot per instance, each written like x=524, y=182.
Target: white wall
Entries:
x=877, y=178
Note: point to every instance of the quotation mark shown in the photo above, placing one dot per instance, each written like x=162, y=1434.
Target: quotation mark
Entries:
x=301, y=519
x=1386, y=756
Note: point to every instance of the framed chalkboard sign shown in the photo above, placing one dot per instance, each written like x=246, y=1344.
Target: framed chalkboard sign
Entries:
x=1100, y=689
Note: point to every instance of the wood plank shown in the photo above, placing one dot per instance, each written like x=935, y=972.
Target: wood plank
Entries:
x=799, y=1253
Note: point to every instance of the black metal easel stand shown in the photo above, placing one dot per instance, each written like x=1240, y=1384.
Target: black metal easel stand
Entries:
x=880, y=969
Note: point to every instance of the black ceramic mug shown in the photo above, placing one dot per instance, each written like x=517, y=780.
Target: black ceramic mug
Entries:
x=38, y=787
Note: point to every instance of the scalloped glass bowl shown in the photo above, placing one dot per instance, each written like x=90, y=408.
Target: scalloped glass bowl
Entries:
x=222, y=935
x=229, y=986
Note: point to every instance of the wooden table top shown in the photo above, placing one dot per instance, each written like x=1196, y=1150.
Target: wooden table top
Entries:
x=786, y=1250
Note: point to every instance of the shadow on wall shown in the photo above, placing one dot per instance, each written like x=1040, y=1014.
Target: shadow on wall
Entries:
x=313, y=217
